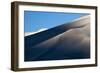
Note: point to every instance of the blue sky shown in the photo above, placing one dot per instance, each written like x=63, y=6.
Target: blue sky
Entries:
x=35, y=20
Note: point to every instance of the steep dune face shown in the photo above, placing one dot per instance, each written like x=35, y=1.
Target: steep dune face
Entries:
x=72, y=44
x=76, y=42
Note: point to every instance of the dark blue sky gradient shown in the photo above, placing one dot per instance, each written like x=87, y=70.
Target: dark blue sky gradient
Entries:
x=35, y=20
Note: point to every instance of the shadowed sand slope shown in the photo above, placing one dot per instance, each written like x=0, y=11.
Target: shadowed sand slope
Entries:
x=73, y=43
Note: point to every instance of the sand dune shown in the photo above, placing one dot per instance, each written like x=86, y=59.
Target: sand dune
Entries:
x=72, y=44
